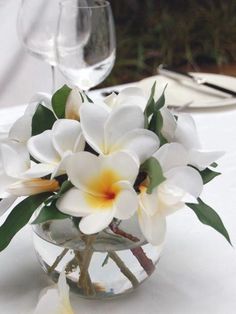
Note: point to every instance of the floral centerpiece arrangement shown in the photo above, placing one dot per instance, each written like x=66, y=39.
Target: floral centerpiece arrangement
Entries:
x=98, y=180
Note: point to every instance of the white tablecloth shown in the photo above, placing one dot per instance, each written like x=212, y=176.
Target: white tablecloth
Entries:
x=197, y=272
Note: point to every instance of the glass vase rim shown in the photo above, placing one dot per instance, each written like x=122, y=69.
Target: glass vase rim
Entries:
x=72, y=4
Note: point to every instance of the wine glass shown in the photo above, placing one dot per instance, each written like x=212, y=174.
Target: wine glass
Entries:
x=85, y=42
x=37, y=27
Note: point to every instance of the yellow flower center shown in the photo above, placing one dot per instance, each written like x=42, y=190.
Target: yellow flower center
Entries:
x=104, y=189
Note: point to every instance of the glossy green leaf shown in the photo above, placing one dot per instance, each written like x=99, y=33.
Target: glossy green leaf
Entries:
x=160, y=102
x=208, y=175
x=209, y=217
x=214, y=165
x=59, y=101
x=42, y=120
x=19, y=217
x=150, y=104
x=66, y=186
x=154, y=171
x=156, y=125
x=50, y=212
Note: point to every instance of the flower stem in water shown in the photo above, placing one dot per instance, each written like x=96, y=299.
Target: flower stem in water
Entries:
x=86, y=259
x=138, y=252
x=57, y=261
x=125, y=270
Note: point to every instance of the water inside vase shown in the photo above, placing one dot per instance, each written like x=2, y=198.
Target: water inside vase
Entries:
x=116, y=266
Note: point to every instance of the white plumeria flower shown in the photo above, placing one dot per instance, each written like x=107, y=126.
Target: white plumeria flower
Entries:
x=56, y=299
x=121, y=129
x=128, y=96
x=75, y=100
x=52, y=147
x=22, y=128
x=103, y=189
x=183, y=183
x=14, y=167
x=184, y=131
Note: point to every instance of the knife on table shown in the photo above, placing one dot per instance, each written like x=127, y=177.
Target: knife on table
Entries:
x=179, y=75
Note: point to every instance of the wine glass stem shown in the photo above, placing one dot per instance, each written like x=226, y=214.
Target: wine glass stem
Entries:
x=53, y=78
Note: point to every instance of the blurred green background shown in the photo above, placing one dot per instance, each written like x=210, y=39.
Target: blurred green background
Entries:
x=187, y=34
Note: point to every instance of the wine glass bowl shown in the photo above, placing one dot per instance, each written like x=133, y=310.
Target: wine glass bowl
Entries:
x=85, y=43
x=37, y=26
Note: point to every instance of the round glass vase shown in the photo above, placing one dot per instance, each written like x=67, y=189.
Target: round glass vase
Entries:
x=105, y=265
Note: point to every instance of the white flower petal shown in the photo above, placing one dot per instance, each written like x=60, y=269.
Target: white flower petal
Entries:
x=140, y=142
x=170, y=198
x=32, y=187
x=169, y=124
x=148, y=202
x=32, y=106
x=110, y=100
x=73, y=104
x=60, y=168
x=171, y=155
x=153, y=227
x=41, y=148
x=96, y=222
x=201, y=159
x=186, y=178
x=15, y=158
x=49, y=302
x=65, y=134
x=90, y=173
x=123, y=164
x=5, y=181
x=79, y=143
x=75, y=203
x=121, y=121
x=63, y=288
x=81, y=168
x=55, y=300
x=21, y=129
x=39, y=170
x=6, y=203
x=39, y=98
x=92, y=119
x=186, y=132
x=126, y=202
x=132, y=96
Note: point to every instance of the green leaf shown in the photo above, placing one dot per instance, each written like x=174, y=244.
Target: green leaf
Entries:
x=42, y=120
x=161, y=101
x=214, y=165
x=208, y=175
x=50, y=212
x=150, y=104
x=209, y=217
x=146, y=122
x=19, y=217
x=66, y=186
x=154, y=171
x=105, y=260
x=156, y=125
x=59, y=101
